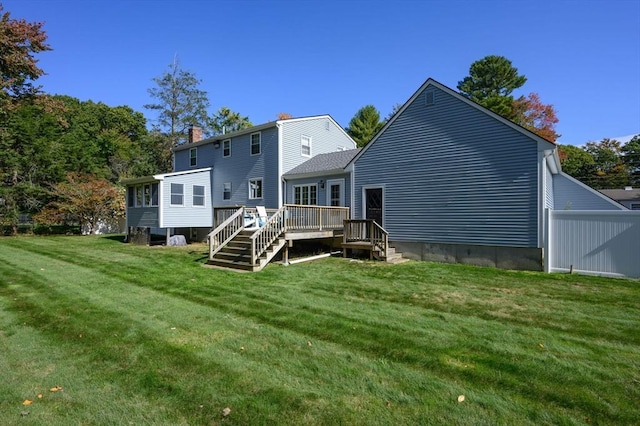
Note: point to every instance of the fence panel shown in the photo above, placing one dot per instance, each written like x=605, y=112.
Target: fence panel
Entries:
x=593, y=242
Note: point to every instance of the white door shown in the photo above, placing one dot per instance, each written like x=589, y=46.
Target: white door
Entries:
x=335, y=192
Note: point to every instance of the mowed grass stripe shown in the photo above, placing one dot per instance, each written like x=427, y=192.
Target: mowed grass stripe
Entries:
x=86, y=297
x=413, y=352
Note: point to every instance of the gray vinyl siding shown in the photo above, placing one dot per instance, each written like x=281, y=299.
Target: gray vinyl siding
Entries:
x=322, y=192
x=570, y=195
x=206, y=155
x=241, y=166
x=453, y=174
x=548, y=189
x=143, y=217
x=186, y=215
x=325, y=137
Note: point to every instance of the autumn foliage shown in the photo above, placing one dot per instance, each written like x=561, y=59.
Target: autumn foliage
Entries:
x=85, y=200
x=533, y=115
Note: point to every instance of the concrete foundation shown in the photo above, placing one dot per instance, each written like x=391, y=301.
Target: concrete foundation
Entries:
x=523, y=258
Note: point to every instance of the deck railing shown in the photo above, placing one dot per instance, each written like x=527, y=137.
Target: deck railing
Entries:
x=366, y=231
x=320, y=218
x=225, y=232
x=274, y=227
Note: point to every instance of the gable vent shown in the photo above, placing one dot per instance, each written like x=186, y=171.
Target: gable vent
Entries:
x=429, y=98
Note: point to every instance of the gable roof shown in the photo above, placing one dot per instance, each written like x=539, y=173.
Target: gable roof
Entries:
x=542, y=143
x=622, y=194
x=254, y=129
x=331, y=162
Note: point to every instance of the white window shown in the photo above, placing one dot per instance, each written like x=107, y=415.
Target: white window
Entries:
x=255, y=144
x=177, y=194
x=226, y=148
x=255, y=189
x=335, y=194
x=305, y=194
x=305, y=143
x=226, y=191
x=198, y=195
x=150, y=195
x=193, y=157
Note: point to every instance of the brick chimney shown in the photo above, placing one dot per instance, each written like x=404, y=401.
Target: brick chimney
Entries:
x=195, y=134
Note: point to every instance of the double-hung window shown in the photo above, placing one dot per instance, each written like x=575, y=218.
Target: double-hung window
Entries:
x=305, y=146
x=255, y=189
x=177, y=194
x=226, y=191
x=226, y=148
x=193, y=157
x=255, y=144
x=198, y=195
x=305, y=194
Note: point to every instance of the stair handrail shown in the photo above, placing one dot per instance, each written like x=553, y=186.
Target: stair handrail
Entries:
x=366, y=231
x=272, y=229
x=225, y=232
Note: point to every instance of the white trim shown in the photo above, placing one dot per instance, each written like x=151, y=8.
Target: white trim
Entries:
x=302, y=146
x=204, y=197
x=546, y=254
x=364, y=200
x=194, y=149
x=251, y=144
x=281, y=191
x=161, y=205
x=183, y=172
x=305, y=185
x=542, y=174
x=328, y=184
x=432, y=82
x=316, y=117
x=171, y=194
x=261, y=188
x=351, y=169
x=222, y=146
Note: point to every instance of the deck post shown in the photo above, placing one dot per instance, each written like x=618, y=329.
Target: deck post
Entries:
x=285, y=253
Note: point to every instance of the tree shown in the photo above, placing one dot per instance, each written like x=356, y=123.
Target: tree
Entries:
x=394, y=109
x=631, y=158
x=533, y=115
x=283, y=116
x=179, y=102
x=225, y=121
x=576, y=162
x=364, y=125
x=86, y=200
x=490, y=83
x=610, y=171
x=19, y=42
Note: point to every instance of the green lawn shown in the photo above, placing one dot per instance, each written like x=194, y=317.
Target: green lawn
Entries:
x=140, y=335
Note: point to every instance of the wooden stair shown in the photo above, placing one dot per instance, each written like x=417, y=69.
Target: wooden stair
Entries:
x=237, y=253
x=375, y=252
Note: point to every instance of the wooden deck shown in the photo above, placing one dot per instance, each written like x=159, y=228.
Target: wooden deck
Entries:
x=243, y=240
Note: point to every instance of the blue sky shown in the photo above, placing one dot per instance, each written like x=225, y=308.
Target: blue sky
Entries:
x=332, y=57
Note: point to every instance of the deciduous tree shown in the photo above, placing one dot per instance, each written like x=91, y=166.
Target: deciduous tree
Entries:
x=364, y=125
x=532, y=114
x=576, y=162
x=86, y=200
x=610, y=170
x=631, y=158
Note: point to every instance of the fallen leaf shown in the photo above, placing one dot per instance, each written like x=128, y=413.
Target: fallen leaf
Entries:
x=24, y=413
x=541, y=345
x=242, y=348
x=460, y=398
x=55, y=389
x=308, y=343
x=27, y=402
x=39, y=396
x=226, y=412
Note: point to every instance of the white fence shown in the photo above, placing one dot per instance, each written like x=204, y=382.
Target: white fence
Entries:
x=593, y=242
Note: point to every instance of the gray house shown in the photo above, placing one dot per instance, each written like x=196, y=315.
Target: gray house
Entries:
x=628, y=197
x=452, y=181
x=243, y=168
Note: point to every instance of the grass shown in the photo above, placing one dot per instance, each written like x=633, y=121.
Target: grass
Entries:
x=139, y=335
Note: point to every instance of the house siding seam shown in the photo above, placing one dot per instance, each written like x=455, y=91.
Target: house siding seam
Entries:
x=453, y=174
x=322, y=140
